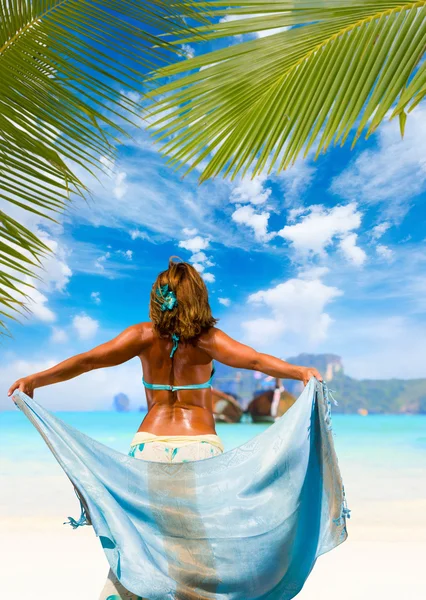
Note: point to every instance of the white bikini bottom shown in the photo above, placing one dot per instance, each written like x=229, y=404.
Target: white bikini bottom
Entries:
x=176, y=441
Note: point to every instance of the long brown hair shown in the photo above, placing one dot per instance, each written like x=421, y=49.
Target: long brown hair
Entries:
x=192, y=315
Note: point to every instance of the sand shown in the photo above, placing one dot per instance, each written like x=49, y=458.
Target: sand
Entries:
x=42, y=559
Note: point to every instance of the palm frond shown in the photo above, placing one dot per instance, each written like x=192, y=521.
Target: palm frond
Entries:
x=334, y=72
x=63, y=67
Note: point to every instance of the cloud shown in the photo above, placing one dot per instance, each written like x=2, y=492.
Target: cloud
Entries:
x=59, y=336
x=295, y=306
x=118, y=178
x=257, y=34
x=321, y=226
x=38, y=306
x=96, y=297
x=99, y=263
x=385, y=252
x=251, y=190
x=85, y=326
x=267, y=32
x=209, y=277
x=201, y=257
x=353, y=253
x=225, y=301
x=393, y=172
x=126, y=253
x=379, y=230
x=56, y=273
x=313, y=273
x=295, y=181
x=86, y=258
x=195, y=244
x=120, y=186
x=136, y=234
x=189, y=232
x=189, y=50
x=198, y=266
x=246, y=215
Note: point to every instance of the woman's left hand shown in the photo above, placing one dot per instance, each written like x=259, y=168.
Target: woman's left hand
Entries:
x=308, y=372
x=25, y=384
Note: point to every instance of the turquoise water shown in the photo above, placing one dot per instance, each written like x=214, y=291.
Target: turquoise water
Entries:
x=382, y=458
x=382, y=440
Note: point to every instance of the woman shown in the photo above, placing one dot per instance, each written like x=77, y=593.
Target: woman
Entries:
x=176, y=349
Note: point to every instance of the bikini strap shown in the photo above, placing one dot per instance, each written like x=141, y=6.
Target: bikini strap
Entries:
x=175, y=339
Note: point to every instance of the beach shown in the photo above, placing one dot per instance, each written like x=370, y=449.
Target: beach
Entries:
x=383, y=463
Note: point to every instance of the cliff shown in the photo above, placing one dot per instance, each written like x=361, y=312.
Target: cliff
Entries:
x=377, y=396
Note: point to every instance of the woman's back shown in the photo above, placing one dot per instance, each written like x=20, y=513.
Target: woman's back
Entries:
x=180, y=412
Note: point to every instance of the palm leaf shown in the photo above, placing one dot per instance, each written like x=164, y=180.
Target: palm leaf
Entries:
x=335, y=72
x=63, y=66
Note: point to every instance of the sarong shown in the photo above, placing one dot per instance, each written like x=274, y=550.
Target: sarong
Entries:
x=165, y=449
x=247, y=524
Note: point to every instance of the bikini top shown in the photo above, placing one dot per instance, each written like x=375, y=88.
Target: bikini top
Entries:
x=176, y=388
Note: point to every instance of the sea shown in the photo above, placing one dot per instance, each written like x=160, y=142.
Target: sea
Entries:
x=376, y=448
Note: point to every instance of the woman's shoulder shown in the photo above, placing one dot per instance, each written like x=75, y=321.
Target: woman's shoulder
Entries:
x=142, y=331
x=209, y=335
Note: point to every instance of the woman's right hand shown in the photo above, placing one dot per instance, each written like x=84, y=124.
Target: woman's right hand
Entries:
x=25, y=384
x=307, y=373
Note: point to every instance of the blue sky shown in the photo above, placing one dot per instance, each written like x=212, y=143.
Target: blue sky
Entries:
x=328, y=256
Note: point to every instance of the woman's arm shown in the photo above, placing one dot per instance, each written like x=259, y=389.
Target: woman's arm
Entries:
x=122, y=348
x=228, y=351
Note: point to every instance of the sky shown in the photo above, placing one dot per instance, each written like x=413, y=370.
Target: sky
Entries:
x=328, y=256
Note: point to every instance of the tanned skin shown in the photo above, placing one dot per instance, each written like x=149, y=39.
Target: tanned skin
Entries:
x=186, y=412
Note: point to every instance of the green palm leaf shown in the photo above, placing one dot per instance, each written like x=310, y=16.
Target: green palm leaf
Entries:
x=63, y=64
x=335, y=72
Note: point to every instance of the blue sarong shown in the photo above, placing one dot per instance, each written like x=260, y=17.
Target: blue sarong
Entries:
x=248, y=524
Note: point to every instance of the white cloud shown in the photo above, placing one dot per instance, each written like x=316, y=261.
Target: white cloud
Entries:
x=225, y=301
x=294, y=182
x=313, y=273
x=198, y=266
x=209, y=277
x=96, y=297
x=194, y=244
x=38, y=306
x=246, y=215
x=379, y=230
x=99, y=263
x=267, y=32
x=108, y=164
x=258, y=34
x=384, y=252
x=353, y=253
x=295, y=306
x=120, y=185
x=126, y=253
x=136, y=234
x=59, y=336
x=202, y=259
x=318, y=229
x=189, y=232
x=56, y=273
x=189, y=50
x=392, y=173
x=251, y=190
x=85, y=326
